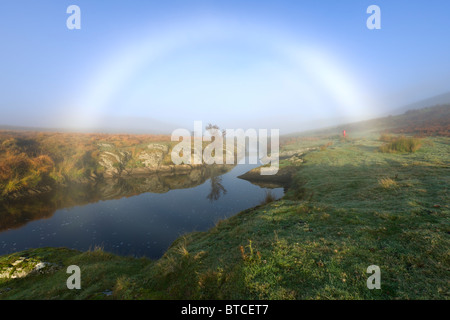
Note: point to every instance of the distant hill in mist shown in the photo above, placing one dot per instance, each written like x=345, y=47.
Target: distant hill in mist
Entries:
x=110, y=124
x=434, y=117
x=442, y=99
x=426, y=121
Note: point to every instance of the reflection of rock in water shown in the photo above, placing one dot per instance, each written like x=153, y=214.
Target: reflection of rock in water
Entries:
x=158, y=183
x=14, y=214
x=283, y=178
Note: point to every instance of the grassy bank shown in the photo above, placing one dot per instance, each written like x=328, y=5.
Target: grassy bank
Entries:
x=349, y=206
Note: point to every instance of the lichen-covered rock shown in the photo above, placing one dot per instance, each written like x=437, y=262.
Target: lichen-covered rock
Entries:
x=114, y=162
x=161, y=147
x=26, y=266
x=297, y=153
x=151, y=159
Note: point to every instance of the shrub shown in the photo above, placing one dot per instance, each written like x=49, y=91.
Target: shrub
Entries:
x=386, y=137
x=402, y=144
x=325, y=146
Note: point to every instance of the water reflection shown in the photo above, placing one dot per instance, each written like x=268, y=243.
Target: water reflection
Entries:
x=139, y=216
x=15, y=214
x=217, y=189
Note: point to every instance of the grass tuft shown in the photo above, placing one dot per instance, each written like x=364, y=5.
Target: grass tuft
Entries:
x=388, y=183
x=268, y=198
x=401, y=144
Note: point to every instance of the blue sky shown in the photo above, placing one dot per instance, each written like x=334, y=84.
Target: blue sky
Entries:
x=241, y=64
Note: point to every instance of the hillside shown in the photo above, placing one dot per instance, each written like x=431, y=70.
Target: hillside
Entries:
x=442, y=99
x=430, y=121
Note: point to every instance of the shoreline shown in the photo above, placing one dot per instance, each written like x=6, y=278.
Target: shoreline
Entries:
x=167, y=170
x=283, y=178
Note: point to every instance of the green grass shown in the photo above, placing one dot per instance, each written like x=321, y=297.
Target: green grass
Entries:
x=100, y=272
x=350, y=207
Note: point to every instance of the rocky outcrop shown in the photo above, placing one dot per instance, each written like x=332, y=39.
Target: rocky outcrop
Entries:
x=151, y=160
x=23, y=267
x=295, y=156
x=114, y=161
x=161, y=147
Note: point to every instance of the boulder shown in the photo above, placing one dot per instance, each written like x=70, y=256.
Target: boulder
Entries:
x=151, y=159
x=114, y=162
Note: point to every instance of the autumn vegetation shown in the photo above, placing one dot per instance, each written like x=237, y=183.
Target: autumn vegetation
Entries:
x=432, y=121
x=33, y=160
x=400, y=144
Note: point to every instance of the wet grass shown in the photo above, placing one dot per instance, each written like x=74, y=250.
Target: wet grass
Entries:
x=350, y=206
